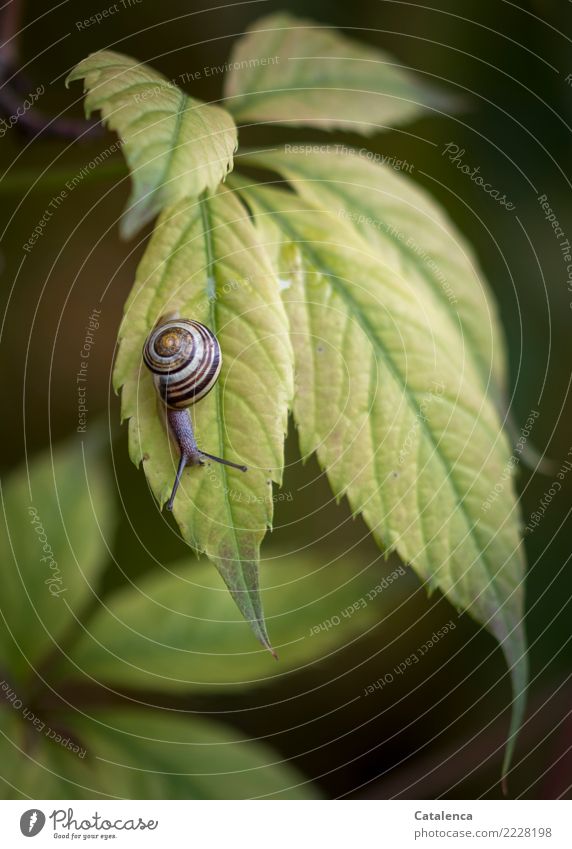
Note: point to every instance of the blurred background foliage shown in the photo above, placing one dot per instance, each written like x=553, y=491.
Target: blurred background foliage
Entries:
x=438, y=730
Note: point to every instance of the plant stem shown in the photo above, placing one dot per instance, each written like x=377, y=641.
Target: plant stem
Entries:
x=31, y=122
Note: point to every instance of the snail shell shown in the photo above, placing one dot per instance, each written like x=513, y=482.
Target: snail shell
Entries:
x=185, y=359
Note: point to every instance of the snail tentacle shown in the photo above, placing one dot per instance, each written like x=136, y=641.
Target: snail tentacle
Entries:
x=224, y=462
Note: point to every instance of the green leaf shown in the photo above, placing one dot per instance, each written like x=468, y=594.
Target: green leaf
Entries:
x=293, y=71
x=58, y=517
x=388, y=397
x=175, y=146
x=412, y=236
x=191, y=758
x=205, y=262
x=142, y=755
x=179, y=630
x=12, y=776
x=35, y=766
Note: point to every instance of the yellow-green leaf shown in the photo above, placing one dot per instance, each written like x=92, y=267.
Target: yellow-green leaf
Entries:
x=175, y=146
x=293, y=71
x=206, y=263
x=395, y=409
x=412, y=236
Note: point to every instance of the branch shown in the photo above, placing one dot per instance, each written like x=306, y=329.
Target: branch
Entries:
x=30, y=122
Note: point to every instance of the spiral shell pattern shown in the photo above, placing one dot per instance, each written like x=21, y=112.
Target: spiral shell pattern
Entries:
x=185, y=359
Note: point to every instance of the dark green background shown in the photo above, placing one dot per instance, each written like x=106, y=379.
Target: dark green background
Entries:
x=509, y=62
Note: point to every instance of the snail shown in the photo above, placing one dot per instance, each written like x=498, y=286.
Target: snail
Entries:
x=185, y=359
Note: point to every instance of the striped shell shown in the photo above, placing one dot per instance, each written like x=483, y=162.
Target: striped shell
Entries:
x=185, y=359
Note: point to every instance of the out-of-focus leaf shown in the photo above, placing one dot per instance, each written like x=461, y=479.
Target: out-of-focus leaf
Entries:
x=288, y=70
x=398, y=415
x=175, y=146
x=33, y=767
x=144, y=755
x=36, y=767
x=190, y=758
x=179, y=630
x=58, y=518
x=206, y=263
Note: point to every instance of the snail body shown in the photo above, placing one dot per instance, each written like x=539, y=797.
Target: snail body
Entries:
x=185, y=359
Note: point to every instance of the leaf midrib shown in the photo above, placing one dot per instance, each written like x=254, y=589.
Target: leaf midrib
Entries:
x=272, y=94
x=206, y=224
x=290, y=174
x=171, y=152
x=338, y=286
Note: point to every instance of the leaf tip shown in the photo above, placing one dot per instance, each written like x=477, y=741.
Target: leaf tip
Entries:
x=261, y=633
